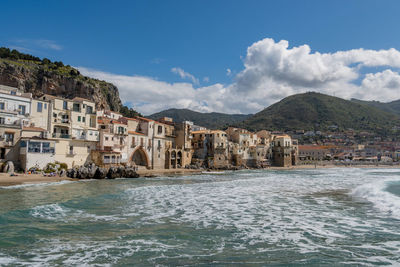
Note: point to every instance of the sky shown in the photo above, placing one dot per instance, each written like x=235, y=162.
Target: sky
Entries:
x=222, y=56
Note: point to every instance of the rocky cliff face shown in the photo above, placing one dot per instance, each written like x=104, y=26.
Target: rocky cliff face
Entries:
x=65, y=81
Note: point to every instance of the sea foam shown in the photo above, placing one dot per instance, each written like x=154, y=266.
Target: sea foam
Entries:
x=377, y=194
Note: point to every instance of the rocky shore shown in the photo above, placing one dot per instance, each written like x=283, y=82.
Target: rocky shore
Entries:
x=91, y=171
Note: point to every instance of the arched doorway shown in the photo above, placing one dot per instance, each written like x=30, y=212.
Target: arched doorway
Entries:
x=140, y=158
x=173, y=159
x=179, y=159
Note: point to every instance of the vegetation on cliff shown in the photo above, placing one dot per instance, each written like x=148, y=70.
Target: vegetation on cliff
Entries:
x=42, y=76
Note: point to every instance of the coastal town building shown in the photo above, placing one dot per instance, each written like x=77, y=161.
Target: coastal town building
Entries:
x=73, y=124
x=313, y=152
x=282, y=151
x=14, y=115
x=112, y=148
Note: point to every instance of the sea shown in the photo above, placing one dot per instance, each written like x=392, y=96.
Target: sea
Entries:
x=307, y=217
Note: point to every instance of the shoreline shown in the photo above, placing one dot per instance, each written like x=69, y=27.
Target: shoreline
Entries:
x=26, y=179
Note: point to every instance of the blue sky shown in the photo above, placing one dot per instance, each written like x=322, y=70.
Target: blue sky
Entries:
x=203, y=39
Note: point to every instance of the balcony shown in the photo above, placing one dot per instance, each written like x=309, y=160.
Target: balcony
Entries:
x=62, y=121
x=61, y=135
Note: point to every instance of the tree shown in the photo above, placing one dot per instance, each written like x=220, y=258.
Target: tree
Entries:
x=129, y=112
x=46, y=61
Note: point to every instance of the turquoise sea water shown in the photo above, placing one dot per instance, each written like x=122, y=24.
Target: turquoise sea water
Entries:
x=252, y=218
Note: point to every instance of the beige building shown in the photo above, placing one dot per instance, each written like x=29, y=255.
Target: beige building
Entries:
x=73, y=125
x=112, y=148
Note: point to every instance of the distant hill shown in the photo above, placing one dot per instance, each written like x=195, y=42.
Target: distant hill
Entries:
x=211, y=120
x=315, y=111
x=391, y=107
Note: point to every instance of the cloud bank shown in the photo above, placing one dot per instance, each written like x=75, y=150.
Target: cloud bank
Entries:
x=272, y=70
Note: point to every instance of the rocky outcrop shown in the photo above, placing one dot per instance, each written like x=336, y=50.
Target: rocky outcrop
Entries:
x=8, y=167
x=91, y=171
x=38, y=79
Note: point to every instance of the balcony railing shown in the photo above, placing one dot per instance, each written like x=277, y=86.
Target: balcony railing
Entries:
x=60, y=135
x=57, y=120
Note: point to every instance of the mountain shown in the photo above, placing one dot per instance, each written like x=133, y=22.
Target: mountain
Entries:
x=315, y=111
x=211, y=120
x=42, y=76
x=391, y=107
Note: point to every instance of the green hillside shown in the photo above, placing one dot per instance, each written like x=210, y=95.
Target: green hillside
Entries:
x=210, y=120
x=315, y=111
x=391, y=107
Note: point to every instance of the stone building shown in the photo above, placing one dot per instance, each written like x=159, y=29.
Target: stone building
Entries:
x=245, y=147
x=210, y=148
x=282, y=150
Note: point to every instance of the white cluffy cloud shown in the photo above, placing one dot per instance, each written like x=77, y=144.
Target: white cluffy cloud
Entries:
x=272, y=71
x=185, y=75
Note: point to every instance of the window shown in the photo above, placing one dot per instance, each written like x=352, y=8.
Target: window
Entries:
x=106, y=138
x=88, y=149
x=13, y=93
x=65, y=105
x=2, y=120
x=159, y=130
x=46, y=148
x=76, y=107
x=2, y=105
x=45, y=105
x=83, y=119
x=71, y=150
x=89, y=110
x=149, y=143
x=34, y=147
x=39, y=107
x=21, y=110
x=9, y=137
x=79, y=118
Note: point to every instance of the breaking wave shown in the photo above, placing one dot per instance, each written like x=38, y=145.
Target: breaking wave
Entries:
x=377, y=193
